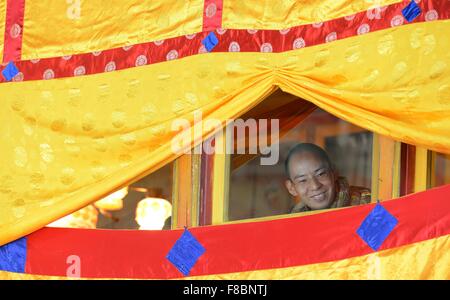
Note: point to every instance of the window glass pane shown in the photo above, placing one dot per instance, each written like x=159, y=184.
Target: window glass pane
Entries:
x=146, y=204
x=441, y=170
x=258, y=190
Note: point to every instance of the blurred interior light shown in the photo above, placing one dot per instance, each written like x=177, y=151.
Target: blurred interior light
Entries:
x=152, y=213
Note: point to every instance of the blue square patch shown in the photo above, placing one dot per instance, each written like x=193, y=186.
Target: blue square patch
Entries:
x=376, y=227
x=10, y=71
x=13, y=256
x=185, y=253
x=210, y=41
x=411, y=11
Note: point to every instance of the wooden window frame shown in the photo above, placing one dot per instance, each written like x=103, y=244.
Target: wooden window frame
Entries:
x=386, y=164
x=186, y=191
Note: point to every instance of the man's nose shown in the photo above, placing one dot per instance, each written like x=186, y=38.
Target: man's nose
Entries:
x=315, y=184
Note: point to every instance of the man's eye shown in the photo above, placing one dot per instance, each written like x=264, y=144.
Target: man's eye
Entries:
x=321, y=173
x=302, y=181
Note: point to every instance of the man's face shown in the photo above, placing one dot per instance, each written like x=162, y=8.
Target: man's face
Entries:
x=312, y=180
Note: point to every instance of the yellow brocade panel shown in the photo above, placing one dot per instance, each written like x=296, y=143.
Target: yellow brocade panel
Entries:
x=276, y=14
x=2, y=26
x=68, y=142
x=57, y=28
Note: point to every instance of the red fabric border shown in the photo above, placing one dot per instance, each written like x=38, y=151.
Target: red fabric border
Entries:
x=241, y=247
x=12, y=50
x=229, y=40
x=212, y=15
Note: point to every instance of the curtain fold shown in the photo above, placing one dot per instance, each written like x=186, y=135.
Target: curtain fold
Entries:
x=395, y=83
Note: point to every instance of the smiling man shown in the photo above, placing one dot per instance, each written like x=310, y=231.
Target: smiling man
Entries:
x=313, y=179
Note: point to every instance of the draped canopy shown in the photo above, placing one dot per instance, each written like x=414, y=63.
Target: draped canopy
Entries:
x=92, y=106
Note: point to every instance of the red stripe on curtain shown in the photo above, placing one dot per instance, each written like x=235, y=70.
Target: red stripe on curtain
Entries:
x=212, y=14
x=12, y=50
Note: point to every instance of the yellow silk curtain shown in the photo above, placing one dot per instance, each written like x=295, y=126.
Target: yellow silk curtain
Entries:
x=94, y=25
x=69, y=142
x=276, y=14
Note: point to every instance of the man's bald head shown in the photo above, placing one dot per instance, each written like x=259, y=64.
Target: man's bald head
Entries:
x=310, y=148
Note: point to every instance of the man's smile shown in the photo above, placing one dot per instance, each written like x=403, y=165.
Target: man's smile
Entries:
x=319, y=197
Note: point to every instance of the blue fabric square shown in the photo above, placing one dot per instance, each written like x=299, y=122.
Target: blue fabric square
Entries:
x=13, y=256
x=10, y=71
x=185, y=253
x=411, y=11
x=376, y=227
x=210, y=41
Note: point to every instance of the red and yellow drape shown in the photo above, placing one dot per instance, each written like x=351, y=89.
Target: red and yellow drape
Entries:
x=120, y=75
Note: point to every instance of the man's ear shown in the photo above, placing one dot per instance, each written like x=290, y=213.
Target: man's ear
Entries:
x=290, y=187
